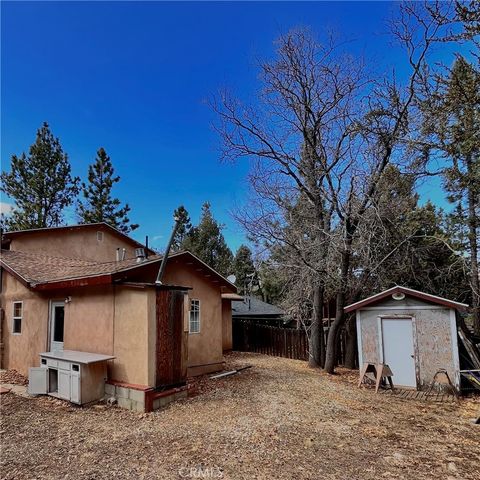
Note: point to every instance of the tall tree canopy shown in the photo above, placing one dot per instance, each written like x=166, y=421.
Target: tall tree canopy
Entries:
x=184, y=227
x=207, y=242
x=451, y=130
x=243, y=268
x=99, y=205
x=40, y=183
x=320, y=138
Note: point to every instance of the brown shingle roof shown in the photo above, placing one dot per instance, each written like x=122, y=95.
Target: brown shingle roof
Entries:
x=45, y=271
x=35, y=268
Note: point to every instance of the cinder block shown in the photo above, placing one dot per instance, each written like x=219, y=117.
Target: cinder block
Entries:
x=124, y=403
x=122, y=392
x=138, y=406
x=182, y=394
x=137, y=395
x=109, y=390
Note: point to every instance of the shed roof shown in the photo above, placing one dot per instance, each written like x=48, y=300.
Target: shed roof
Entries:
x=407, y=292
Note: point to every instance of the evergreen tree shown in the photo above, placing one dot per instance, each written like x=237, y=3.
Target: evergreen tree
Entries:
x=452, y=125
x=243, y=268
x=99, y=205
x=206, y=241
x=40, y=183
x=183, y=229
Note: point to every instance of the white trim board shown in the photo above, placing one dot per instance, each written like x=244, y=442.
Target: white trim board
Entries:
x=456, y=360
x=407, y=307
x=359, y=339
x=380, y=338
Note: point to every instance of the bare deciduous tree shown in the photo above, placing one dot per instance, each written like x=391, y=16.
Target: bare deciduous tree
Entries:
x=320, y=138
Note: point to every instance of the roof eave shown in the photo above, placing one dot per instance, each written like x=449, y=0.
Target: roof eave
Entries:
x=407, y=291
x=105, y=279
x=15, y=274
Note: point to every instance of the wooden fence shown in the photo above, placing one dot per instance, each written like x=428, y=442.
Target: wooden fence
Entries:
x=276, y=341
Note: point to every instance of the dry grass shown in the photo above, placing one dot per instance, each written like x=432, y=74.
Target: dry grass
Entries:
x=277, y=420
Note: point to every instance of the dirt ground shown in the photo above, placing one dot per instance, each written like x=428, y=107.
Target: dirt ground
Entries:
x=277, y=420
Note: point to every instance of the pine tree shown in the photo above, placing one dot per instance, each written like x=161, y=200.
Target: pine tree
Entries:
x=206, y=241
x=183, y=229
x=99, y=205
x=243, y=268
x=456, y=123
x=40, y=183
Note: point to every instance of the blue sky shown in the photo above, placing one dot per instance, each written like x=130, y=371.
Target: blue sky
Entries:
x=134, y=78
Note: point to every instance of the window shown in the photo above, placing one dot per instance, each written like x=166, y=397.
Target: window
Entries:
x=17, y=317
x=194, y=316
x=99, y=236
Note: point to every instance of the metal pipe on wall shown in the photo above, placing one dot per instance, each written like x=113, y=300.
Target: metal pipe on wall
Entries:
x=158, y=281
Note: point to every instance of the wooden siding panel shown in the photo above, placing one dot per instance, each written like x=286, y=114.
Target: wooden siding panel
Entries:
x=171, y=338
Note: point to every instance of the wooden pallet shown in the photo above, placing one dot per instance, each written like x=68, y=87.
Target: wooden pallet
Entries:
x=418, y=395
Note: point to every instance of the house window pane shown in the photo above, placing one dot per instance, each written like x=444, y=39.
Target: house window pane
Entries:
x=17, y=325
x=194, y=326
x=17, y=309
x=17, y=317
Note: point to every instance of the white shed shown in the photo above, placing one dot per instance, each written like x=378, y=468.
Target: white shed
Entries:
x=415, y=333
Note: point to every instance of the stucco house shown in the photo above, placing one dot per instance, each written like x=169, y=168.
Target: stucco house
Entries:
x=90, y=288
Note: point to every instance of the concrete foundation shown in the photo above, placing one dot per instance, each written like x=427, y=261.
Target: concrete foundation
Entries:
x=140, y=398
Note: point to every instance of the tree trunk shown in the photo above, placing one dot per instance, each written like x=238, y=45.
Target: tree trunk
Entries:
x=316, y=358
x=351, y=344
x=473, y=240
x=331, y=355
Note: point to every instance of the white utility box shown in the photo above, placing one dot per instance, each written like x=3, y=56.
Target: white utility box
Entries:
x=78, y=377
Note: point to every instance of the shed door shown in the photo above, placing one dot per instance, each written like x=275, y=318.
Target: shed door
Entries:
x=398, y=353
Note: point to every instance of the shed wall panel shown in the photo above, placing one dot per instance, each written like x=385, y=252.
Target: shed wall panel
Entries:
x=432, y=329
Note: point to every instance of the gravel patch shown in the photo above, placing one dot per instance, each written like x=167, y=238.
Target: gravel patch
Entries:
x=277, y=420
x=13, y=377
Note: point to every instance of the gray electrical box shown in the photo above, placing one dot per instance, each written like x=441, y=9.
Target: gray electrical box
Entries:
x=78, y=377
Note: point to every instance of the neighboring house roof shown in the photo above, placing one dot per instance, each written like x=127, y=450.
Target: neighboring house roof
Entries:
x=255, y=307
x=44, y=272
x=407, y=292
x=8, y=236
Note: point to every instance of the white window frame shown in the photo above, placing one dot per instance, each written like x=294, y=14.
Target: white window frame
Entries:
x=191, y=312
x=16, y=317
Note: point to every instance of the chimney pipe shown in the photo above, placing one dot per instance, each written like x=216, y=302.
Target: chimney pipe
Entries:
x=124, y=253
x=146, y=246
x=158, y=281
x=118, y=254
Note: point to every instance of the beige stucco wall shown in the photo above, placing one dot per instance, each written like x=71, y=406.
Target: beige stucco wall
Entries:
x=433, y=331
x=21, y=351
x=89, y=327
x=227, y=341
x=75, y=243
x=205, y=352
x=89, y=319
x=134, y=349
x=90, y=324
